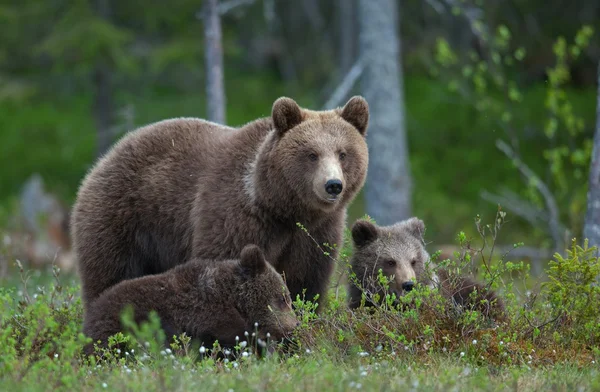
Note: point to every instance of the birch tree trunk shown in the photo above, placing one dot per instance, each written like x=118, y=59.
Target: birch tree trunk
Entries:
x=389, y=184
x=346, y=31
x=103, y=110
x=591, y=229
x=213, y=52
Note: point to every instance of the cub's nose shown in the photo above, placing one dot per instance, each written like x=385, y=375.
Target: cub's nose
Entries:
x=334, y=187
x=408, y=286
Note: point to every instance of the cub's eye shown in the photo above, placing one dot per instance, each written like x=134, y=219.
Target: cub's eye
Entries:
x=391, y=263
x=413, y=262
x=283, y=303
x=313, y=157
x=342, y=156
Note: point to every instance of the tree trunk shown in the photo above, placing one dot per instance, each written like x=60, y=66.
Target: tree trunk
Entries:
x=591, y=229
x=346, y=31
x=215, y=91
x=103, y=109
x=389, y=185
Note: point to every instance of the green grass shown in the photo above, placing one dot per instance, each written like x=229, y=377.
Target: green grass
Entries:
x=316, y=372
x=427, y=346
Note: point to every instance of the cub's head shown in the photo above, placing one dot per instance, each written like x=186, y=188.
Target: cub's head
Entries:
x=397, y=250
x=263, y=297
x=321, y=156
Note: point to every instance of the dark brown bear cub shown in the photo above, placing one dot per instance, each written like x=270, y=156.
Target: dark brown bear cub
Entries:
x=185, y=188
x=399, y=252
x=205, y=299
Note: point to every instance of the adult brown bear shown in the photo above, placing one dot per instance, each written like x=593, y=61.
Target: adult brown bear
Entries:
x=186, y=188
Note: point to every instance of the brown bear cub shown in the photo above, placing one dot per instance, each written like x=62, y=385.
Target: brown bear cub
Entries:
x=207, y=300
x=185, y=188
x=399, y=252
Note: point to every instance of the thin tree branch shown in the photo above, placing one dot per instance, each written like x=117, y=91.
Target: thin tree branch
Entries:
x=226, y=6
x=520, y=207
x=532, y=178
x=345, y=86
x=436, y=5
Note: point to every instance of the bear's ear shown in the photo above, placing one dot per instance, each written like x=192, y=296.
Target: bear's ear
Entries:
x=356, y=112
x=363, y=233
x=286, y=114
x=252, y=260
x=415, y=226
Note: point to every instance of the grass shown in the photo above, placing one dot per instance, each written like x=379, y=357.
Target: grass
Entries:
x=549, y=342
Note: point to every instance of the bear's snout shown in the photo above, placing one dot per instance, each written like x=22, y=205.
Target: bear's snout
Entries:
x=408, y=286
x=334, y=187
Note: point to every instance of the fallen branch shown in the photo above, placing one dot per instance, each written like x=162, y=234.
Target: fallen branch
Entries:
x=507, y=252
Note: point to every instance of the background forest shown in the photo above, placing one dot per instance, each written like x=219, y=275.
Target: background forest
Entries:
x=479, y=86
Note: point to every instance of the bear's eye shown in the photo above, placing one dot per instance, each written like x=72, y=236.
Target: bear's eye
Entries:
x=413, y=262
x=283, y=303
x=342, y=156
x=391, y=263
x=313, y=157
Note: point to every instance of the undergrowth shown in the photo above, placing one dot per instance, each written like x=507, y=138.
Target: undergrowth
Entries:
x=548, y=339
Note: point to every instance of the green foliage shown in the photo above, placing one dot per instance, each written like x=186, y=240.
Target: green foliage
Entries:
x=573, y=292
x=402, y=340
x=490, y=81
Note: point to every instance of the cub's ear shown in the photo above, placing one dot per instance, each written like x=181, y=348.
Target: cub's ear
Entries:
x=286, y=114
x=415, y=226
x=252, y=260
x=356, y=112
x=363, y=233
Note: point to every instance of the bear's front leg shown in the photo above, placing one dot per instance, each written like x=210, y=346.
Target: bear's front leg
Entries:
x=309, y=264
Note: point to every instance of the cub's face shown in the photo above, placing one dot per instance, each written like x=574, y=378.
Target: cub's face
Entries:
x=265, y=299
x=323, y=156
x=397, y=250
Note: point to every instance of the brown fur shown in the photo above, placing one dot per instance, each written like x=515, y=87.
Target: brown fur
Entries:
x=184, y=188
x=205, y=299
x=399, y=251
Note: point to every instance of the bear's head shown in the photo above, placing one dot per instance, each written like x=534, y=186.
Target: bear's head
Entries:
x=318, y=157
x=397, y=250
x=263, y=297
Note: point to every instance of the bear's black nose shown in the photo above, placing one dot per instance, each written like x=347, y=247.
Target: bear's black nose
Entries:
x=407, y=286
x=334, y=187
